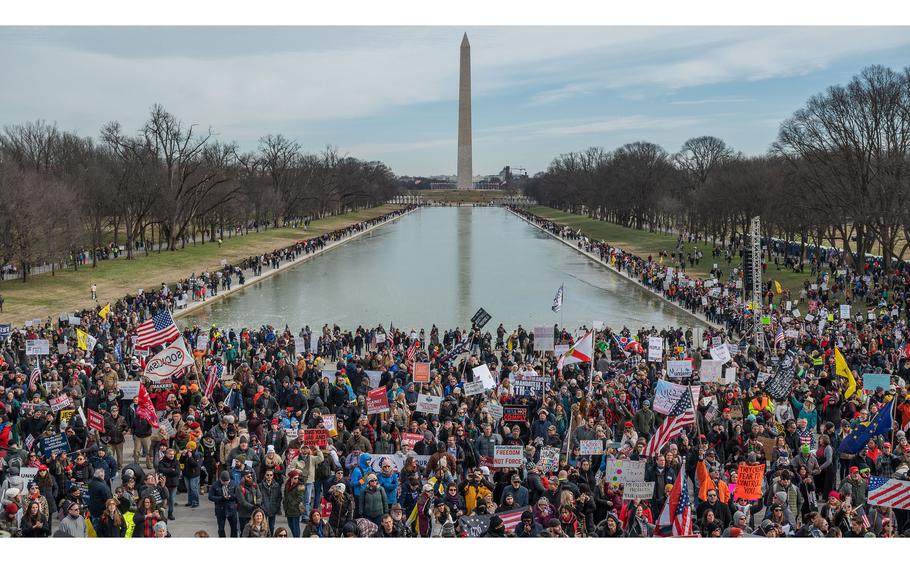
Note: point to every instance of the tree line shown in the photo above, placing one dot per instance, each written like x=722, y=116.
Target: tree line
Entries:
x=162, y=187
x=838, y=172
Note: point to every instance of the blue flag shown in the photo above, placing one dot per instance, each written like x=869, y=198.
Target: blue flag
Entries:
x=881, y=423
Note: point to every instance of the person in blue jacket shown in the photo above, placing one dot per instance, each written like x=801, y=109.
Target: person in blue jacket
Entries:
x=388, y=479
x=360, y=472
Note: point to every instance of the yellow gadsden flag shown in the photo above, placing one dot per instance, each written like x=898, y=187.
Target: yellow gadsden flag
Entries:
x=81, y=339
x=777, y=288
x=842, y=370
x=103, y=312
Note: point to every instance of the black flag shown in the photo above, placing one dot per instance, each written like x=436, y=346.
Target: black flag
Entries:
x=780, y=385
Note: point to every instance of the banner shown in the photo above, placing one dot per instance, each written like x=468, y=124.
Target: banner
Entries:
x=591, y=447
x=315, y=437
x=508, y=456
x=5, y=331
x=472, y=388
x=638, y=490
x=58, y=443
x=530, y=386
x=428, y=404
x=625, y=471
x=483, y=374
x=679, y=369
x=95, y=420
x=169, y=361
x=377, y=401
x=655, y=348
x=748, y=481
x=421, y=372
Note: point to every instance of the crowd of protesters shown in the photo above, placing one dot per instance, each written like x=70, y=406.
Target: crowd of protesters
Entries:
x=285, y=446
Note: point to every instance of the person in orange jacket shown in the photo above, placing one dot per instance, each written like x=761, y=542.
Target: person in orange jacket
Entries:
x=710, y=479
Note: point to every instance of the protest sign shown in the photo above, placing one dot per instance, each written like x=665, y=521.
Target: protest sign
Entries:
x=666, y=395
x=530, y=386
x=543, y=339
x=472, y=388
x=655, y=348
x=28, y=473
x=66, y=416
x=60, y=402
x=710, y=371
x=514, y=413
x=549, y=458
x=591, y=447
x=377, y=401
x=721, y=353
x=394, y=460
x=872, y=381
x=638, y=490
x=95, y=420
x=495, y=411
x=483, y=374
x=421, y=372
x=845, y=311
x=165, y=424
x=169, y=361
x=625, y=471
x=202, y=341
x=508, y=456
x=318, y=437
x=58, y=443
x=411, y=438
x=729, y=375
x=428, y=404
x=37, y=347
x=328, y=422
x=5, y=331
x=130, y=389
x=679, y=369
x=314, y=343
x=560, y=350
x=748, y=481
x=374, y=377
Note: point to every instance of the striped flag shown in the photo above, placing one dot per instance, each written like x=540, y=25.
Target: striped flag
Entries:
x=861, y=513
x=681, y=415
x=676, y=517
x=156, y=331
x=779, y=338
x=35, y=377
x=216, y=370
x=412, y=350
x=557, y=301
x=512, y=518
x=887, y=492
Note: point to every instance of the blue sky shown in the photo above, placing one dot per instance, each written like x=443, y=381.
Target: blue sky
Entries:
x=390, y=93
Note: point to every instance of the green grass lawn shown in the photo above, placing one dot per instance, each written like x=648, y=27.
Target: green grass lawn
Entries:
x=644, y=243
x=46, y=295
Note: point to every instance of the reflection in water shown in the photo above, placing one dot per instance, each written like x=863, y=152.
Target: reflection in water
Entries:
x=438, y=266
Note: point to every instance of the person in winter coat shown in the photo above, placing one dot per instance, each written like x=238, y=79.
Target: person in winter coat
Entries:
x=169, y=467
x=372, y=502
x=342, y=507
x=388, y=479
x=270, y=488
x=34, y=523
x=317, y=527
x=111, y=524
x=73, y=524
x=518, y=492
x=249, y=498
x=306, y=464
x=257, y=527
x=224, y=495
x=292, y=501
x=191, y=460
x=98, y=495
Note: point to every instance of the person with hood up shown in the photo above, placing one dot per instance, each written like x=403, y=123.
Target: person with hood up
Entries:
x=360, y=472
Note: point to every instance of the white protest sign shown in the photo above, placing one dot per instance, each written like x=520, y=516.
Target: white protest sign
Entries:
x=130, y=389
x=638, y=490
x=655, y=348
x=549, y=458
x=165, y=424
x=710, y=371
x=679, y=369
x=314, y=343
x=37, y=347
x=625, y=471
x=729, y=375
x=508, y=456
x=483, y=374
x=721, y=353
x=169, y=361
x=374, y=378
x=591, y=447
x=28, y=473
x=543, y=338
x=202, y=341
x=472, y=388
x=496, y=411
x=666, y=395
x=428, y=404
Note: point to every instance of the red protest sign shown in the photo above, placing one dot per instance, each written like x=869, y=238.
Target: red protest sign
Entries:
x=411, y=438
x=421, y=372
x=315, y=437
x=748, y=481
x=514, y=413
x=95, y=420
x=377, y=401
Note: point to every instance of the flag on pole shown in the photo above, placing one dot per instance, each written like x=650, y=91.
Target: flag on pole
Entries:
x=216, y=370
x=144, y=407
x=105, y=311
x=557, y=301
x=780, y=385
x=779, y=338
x=888, y=492
x=881, y=423
x=628, y=344
x=85, y=341
x=35, y=377
x=582, y=351
x=156, y=331
x=681, y=415
x=777, y=288
x=842, y=370
x=676, y=517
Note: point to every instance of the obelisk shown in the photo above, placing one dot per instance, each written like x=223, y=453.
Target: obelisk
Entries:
x=465, y=174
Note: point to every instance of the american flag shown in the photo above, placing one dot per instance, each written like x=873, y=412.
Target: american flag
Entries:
x=676, y=517
x=512, y=518
x=35, y=377
x=681, y=415
x=216, y=370
x=457, y=349
x=157, y=331
x=412, y=350
x=887, y=492
x=780, y=337
x=477, y=525
x=861, y=513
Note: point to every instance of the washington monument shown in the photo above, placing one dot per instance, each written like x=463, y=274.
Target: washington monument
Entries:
x=465, y=173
